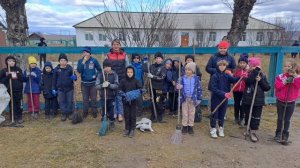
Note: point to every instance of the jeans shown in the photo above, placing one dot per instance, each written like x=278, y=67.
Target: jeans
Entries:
x=89, y=92
x=255, y=118
x=287, y=117
x=66, y=101
x=51, y=106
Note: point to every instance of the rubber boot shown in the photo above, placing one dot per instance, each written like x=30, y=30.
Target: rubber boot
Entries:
x=184, y=130
x=126, y=133
x=285, y=138
x=131, y=134
x=277, y=136
x=190, y=130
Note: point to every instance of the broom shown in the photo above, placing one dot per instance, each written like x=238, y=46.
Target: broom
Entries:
x=104, y=124
x=177, y=136
x=76, y=118
x=151, y=90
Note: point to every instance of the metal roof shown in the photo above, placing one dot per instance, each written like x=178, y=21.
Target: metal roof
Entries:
x=209, y=21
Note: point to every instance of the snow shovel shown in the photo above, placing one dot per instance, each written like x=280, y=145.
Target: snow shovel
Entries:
x=77, y=117
x=104, y=124
x=247, y=133
x=151, y=90
x=177, y=136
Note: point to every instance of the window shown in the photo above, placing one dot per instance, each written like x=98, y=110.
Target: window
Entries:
x=122, y=36
x=212, y=36
x=136, y=36
x=260, y=36
x=102, y=37
x=89, y=36
x=199, y=36
x=244, y=36
x=270, y=36
x=169, y=37
x=184, y=33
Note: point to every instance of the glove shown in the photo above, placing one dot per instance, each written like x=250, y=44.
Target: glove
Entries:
x=228, y=72
x=54, y=92
x=228, y=95
x=290, y=79
x=105, y=84
x=179, y=86
x=150, y=75
x=73, y=77
x=27, y=74
x=33, y=74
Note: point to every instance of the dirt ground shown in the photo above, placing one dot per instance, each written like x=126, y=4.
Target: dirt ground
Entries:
x=60, y=144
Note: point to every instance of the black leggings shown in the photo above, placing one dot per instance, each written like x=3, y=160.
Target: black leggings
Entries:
x=238, y=112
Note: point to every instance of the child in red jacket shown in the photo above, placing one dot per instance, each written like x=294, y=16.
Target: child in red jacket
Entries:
x=238, y=91
x=287, y=87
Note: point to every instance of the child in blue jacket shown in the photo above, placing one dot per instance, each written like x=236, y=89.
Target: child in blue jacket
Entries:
x=220, y=88
x=51, y=104
x=168, y=87
x=63, y=86
x=139, y=74
x=191, y=95
x=33, y=77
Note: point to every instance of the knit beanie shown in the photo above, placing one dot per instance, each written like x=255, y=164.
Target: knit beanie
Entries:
x=168, y=61
x=191, y=66
x=158, y=54
x=87, y=49
x=224, y=44
x=243, y=57
x=135, y=55
x=10, y=57
x=254, y=62
x=63, y=56
x=32, y=60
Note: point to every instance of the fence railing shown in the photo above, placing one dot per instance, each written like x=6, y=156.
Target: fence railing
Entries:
x=277, y=55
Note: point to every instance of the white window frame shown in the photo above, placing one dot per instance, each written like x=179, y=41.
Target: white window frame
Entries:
x=212, y=36
x=88, y=36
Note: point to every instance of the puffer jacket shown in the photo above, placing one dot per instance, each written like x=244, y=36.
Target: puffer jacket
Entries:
x=46, y=82
x=112, y=78
x=159, y=73
x=35, y=81
x=62, y=79
x=17, y=83
x=241, y=85
x=119, y=61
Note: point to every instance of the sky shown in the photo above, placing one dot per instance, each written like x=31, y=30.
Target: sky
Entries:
x=58, y=16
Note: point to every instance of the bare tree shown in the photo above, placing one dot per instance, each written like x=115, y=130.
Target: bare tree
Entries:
x=153, y=25
x=16, y=20
x=285, y=35
x=203, y=27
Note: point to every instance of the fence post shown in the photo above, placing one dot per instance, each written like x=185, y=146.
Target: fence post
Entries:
x=272, y=72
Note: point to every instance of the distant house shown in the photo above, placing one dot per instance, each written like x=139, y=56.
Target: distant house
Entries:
x=205, y=29
x=52, y=39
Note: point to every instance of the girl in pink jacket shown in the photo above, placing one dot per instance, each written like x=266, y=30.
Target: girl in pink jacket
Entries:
x=287, y=87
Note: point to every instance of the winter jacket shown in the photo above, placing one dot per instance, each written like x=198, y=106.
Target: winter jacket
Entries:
x=212, y=66
x=241, y=85
x=17, y=83
x=281, y=89
x=139, y=72
x=197, y=90
x=112, y=78
x=221, y=84
x=35, y=81
x=46, y=82
x=62, y=78
x=262, y=87
x=168, y=82
x=88, y=71
x=159, y=73
x=119, y=61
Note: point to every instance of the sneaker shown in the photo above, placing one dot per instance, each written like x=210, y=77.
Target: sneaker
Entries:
x=126, y=133
x=213, y=133
x=184, y=130
x=63, y=117
x=253, y=136
x=285, y=137
x=20, y=121
x=221, y=132
x=190, y=130
x=120, y=118
x=131, y=134
x=112, y=125
x=277, y=136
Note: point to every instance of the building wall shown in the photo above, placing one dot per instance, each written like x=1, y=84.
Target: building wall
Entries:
x=251, y=37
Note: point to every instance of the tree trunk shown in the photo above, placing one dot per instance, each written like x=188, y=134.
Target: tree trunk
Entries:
x=16, y=21
x=241, y=12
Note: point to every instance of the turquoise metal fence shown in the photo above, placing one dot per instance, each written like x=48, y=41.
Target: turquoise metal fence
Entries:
x=275, y=67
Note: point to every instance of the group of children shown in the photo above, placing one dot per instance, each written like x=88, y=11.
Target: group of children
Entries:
x=168, y=78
